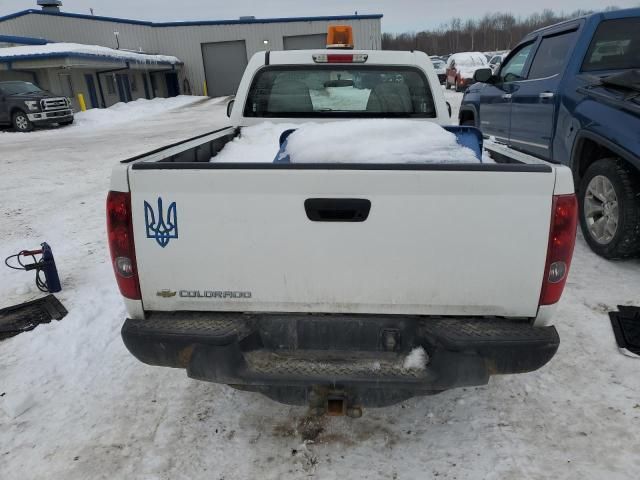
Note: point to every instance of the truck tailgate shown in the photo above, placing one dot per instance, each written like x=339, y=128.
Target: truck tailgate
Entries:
x=449, y=241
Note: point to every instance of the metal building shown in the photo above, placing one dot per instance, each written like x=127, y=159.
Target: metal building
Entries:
x=103, y=76
x=213, y=54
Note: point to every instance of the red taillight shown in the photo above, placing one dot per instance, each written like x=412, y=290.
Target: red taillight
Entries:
x=340, y=58
x=123, y=254
x=562, y=239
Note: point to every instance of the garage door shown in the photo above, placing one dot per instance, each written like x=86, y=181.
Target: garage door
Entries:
x=224, y=64
x=305, y=42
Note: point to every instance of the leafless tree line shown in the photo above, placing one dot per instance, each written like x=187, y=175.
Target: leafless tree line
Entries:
x=493, y=32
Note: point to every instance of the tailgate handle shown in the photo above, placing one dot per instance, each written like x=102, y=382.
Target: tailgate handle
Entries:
x=337, y=209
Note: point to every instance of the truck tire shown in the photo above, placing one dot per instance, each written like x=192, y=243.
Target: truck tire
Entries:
x=21, y=122
x=68, y=122
x=609, y=195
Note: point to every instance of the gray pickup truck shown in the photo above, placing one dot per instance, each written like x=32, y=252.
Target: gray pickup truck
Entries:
x=24, y=106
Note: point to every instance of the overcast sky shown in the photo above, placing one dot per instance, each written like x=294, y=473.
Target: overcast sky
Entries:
x=399, y=15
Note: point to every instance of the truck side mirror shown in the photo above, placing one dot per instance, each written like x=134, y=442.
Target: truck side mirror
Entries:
x=483, y=75
x=230, y=108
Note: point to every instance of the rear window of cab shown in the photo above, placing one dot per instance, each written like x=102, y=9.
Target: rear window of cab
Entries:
x=335, y=91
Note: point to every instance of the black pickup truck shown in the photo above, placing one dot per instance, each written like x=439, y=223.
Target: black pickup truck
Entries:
x=24, y=106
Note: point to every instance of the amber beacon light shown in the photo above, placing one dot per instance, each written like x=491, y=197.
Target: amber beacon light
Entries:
x=340, y=36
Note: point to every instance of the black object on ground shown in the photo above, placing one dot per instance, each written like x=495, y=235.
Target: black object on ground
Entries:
x=626, y=327
x=27, y=316
x=46, y=265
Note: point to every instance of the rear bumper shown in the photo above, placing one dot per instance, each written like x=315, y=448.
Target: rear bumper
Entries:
x=301, y=350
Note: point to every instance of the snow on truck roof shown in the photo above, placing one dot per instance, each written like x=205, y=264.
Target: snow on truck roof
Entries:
x=59, y=50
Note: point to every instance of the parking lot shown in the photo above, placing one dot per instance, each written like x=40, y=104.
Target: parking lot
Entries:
x=74, y=404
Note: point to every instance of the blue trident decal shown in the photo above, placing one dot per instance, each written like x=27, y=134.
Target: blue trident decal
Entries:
x=161, y=229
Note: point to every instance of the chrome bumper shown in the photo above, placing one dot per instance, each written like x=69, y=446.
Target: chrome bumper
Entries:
x=50, y=115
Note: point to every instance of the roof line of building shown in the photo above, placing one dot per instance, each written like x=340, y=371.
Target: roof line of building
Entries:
x=86, y=56
x=191, y=23
x=23, y=40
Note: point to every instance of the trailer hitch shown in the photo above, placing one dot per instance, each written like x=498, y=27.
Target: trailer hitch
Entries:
x=335, y=403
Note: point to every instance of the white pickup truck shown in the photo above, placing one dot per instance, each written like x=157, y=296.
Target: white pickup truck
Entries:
x=340, y=285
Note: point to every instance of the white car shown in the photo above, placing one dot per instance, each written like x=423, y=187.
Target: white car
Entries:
x=340, y=285
x=461, y=67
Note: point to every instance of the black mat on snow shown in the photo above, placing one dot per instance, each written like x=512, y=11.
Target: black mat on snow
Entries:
x=626, y=327
x=28, y=315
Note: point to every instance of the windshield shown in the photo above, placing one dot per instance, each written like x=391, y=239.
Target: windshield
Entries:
x=15, y=88
x=337, y=91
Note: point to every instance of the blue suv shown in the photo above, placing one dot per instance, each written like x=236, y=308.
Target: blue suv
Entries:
x=570, y=94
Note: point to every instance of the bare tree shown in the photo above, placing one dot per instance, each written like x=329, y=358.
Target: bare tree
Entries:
x=492, y=32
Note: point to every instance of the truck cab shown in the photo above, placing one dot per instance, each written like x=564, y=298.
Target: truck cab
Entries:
x=566, y=94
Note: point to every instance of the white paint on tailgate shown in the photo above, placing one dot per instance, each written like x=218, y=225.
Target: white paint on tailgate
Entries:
x=435, y=242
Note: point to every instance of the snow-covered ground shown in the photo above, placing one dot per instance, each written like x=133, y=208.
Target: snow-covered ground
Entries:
x=74, y=404
x=117, y=114
x=455, y=99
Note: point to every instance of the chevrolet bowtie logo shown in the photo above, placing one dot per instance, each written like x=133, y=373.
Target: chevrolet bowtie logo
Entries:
x=166, y=294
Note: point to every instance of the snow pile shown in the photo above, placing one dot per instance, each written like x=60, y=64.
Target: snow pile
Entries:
x=118, y=114
x=71, y=49
x=416, y=360
x=376, y=141
x=258, y=143
x=123, y=112
x=355, y=141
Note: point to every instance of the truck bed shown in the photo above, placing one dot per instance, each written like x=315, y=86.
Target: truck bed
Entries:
x=437, y=239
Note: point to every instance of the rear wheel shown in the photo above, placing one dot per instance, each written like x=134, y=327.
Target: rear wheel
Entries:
x=21, y=122
x=610, y=208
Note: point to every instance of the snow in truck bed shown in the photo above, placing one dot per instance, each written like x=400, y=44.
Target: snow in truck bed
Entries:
x=353, y=141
